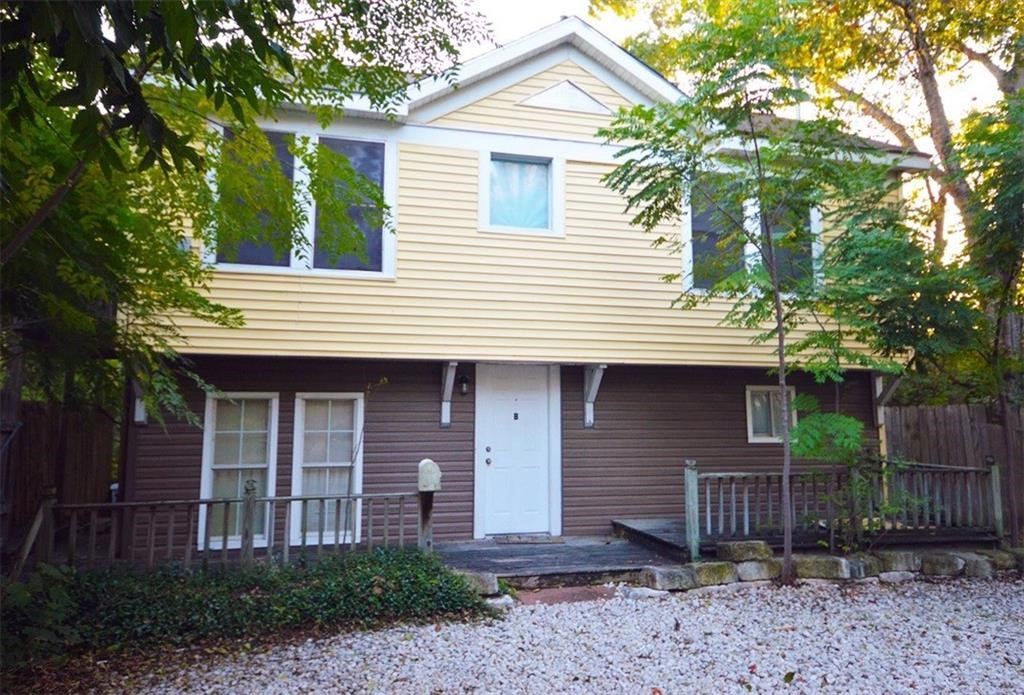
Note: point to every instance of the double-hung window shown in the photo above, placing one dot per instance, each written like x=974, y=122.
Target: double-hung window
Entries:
x=327, y=462
x=240, y=442
x=764, y=414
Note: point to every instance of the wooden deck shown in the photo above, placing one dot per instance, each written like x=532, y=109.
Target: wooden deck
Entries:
x=667, y=537
x=573, y=561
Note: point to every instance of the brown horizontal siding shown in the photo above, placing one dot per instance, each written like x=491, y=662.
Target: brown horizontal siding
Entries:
x=648, y=420
x=401, y=427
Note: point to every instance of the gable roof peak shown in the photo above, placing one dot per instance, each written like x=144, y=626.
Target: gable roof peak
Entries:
x=569, y=31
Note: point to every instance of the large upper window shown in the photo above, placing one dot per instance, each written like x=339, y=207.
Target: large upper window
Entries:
x=520, y=192
x=764, y=414
x=239, y=446
x=262, y=252
x=717, y=245
x=328, y=461
x=793, y=241
x=372, y=160
x=367, y=158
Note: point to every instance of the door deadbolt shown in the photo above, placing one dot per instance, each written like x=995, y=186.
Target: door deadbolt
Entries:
x=487, y=449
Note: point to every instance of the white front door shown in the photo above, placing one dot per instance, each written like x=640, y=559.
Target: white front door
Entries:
x=514, y=449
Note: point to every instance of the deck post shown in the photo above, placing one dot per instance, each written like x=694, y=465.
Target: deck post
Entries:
x=997, y=495
x=692, y=509
x=48, y=525
x=429, y=482
x=248, y=522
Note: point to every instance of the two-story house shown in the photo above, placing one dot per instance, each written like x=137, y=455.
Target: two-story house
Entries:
x=514, y=328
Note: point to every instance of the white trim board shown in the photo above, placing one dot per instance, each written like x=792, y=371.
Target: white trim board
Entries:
x=514, y=74
x=572, y=31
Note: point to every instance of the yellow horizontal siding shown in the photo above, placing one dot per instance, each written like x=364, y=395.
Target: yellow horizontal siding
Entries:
x=502, y=111
x=594, y=295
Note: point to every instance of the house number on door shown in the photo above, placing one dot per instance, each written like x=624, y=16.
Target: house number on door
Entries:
x=515, y=416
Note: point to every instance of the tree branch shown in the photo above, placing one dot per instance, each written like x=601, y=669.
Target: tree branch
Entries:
x=875, y=111
x=1009, y=81
x=41, y=213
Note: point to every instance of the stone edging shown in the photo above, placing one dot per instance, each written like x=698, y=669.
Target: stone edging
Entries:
x=750, y=561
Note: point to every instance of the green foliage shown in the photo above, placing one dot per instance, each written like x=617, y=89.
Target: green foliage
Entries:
x=38, y=615
x=107, y=268
x=828, y=437
x=892, y=66
x=121, y=610
x=246, y=58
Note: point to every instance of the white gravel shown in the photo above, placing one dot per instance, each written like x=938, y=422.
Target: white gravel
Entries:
x=964, y=636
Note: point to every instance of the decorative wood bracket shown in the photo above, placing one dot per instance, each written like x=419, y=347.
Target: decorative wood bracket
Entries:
x=882, y=393
x=447, y=385
x=592, y=375
x=139, y=414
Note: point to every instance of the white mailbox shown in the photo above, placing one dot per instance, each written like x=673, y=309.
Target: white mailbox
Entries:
x=430, y=476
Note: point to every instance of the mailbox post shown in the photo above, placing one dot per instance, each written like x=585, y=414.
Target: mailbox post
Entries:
x=429, y=482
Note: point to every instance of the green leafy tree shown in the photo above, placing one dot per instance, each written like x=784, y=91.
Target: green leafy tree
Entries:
x=118, y=116
x=900, y=66
x=726, y=149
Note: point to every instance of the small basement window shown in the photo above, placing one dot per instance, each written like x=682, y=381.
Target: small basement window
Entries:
x=764, y=414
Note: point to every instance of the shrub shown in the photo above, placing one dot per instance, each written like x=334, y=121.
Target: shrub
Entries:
x=38, y=616
x=118, y=608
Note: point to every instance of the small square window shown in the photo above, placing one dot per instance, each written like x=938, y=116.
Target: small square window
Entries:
x=764, y=414
x=520, y=192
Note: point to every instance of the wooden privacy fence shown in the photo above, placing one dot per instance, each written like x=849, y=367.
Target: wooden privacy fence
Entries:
x=902, y=502
x=230, y=531
x=949, y=435
x=54, y=448
x=961, y=436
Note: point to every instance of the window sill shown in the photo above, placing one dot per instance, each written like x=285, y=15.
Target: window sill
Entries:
x=523, y=231
x=764, y=440
x=234, y=543
x=303, y=272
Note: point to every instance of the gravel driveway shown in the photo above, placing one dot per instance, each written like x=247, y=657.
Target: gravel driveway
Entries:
x=920, y=637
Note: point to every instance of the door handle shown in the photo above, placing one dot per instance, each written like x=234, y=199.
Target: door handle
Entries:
x=487, y=461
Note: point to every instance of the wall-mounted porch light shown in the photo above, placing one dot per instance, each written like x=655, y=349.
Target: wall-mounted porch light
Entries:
x=464, y=384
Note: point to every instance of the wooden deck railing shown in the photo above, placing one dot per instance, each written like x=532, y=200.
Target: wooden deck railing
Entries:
x=895, y=498
x=238, y=531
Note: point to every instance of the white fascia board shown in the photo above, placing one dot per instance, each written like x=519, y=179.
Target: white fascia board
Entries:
x=911, y=162
x=571, y=30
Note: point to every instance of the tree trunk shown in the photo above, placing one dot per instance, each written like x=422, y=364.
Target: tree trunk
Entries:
x=787, y=456
x=942, y=135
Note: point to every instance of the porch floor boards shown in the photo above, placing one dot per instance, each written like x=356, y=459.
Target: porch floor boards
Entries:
x=574, y=561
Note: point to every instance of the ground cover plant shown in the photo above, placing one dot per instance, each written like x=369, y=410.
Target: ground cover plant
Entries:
x=57, y=613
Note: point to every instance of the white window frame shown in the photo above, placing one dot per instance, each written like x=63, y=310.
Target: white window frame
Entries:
x=556, y=191
x=760, y=439
x=298, y=444
x=206, y=476
x=299, y=265
x=752, y=223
